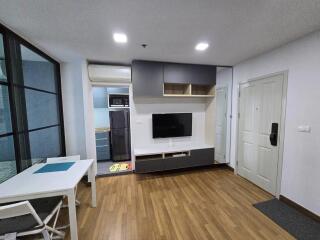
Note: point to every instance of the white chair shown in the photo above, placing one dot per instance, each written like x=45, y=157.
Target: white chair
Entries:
x=31, y=218
x=66, y=159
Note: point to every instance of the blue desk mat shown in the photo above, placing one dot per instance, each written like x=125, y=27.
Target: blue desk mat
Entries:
x=55, y=167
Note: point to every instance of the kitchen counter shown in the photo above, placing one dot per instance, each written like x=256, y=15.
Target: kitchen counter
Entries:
x=101, y=130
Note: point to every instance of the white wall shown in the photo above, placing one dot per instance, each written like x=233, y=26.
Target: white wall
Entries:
x=78, y=110
x=88, y=113
x=224, y=79
x=73, y=111
x=142, y=110
x=101, y=118
x=301, y=158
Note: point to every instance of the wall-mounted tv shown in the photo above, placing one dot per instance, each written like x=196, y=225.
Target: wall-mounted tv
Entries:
x=171, y=125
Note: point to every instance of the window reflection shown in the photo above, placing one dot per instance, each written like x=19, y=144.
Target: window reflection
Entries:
x=5, y=115
x=7, y=158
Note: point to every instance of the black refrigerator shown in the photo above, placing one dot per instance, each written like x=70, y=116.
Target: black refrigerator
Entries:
x=120, y=135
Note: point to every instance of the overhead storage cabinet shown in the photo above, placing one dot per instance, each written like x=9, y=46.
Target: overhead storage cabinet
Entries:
x=158, y=79
x=147, y=79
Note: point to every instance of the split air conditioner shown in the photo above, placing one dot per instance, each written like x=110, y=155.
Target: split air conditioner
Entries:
x=110, y=74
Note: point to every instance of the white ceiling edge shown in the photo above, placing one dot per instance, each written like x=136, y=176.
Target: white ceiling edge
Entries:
x=110, y=63
x=278, y=47
x=236, y=30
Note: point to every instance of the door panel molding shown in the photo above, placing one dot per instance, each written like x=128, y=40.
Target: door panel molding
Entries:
x=281, y=130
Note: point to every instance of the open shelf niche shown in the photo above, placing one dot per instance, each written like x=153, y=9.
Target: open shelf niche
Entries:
x=176, y=89
x=150, y=157
x=203, y=90
x=188, y=90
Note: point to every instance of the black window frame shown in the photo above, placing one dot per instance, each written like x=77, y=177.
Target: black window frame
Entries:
x=13, y=63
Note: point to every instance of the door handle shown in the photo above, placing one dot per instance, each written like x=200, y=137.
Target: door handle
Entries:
x=274, y=134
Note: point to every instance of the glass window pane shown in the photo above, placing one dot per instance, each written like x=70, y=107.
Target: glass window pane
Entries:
x=3, y=73
x=42, y=109
x=7, y=158
x=37, y=71
x=24, y=151
x=45, y=143
x=5, y=116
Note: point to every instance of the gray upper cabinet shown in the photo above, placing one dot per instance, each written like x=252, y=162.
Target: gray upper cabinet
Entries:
x=203, y=74
x=147, y=79
x=176, y=73
x=189, y=74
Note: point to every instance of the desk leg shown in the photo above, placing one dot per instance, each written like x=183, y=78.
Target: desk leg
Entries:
x=92, y=179
x=72, y=215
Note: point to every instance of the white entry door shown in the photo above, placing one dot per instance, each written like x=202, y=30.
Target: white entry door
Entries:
x=259, y=131
x=221, y=124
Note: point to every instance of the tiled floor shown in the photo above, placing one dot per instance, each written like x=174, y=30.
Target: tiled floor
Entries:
x=103, y=168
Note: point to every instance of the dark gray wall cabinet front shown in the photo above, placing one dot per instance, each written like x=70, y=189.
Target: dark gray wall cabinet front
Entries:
x=147, y=79
x=203, y=74
x=177, y=162
x=146, y=166
x=189, y=73
x=202, y=157
x=177, y=73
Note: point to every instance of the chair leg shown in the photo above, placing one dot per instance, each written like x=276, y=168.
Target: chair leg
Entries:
x=56, y=232
x=55, y=220
x=66, y=205
x=46, y=235
x=10, y=236
x=63, y=227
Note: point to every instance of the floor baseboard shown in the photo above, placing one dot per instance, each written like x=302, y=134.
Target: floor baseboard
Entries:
x=299, y=208
x=229, y=167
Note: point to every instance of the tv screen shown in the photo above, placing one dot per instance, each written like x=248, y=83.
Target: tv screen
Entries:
x=171, y=125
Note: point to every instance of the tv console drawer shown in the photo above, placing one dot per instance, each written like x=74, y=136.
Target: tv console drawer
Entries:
x=202, y=157
x=147, y=166
x=177, y=162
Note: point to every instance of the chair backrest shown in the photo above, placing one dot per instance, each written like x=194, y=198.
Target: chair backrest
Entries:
x=63, y=159
x=19, y=209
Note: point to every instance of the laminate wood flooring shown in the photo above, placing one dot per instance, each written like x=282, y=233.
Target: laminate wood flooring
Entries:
x=196, y=204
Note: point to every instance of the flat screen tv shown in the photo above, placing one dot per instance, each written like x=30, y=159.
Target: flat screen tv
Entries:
x=171, y=125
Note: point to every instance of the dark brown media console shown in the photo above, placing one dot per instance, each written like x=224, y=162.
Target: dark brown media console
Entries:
x=174, y=160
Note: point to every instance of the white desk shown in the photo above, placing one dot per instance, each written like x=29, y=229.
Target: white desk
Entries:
x=27, y=185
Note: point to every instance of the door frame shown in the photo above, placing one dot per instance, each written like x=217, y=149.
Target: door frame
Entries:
x=128, y=85
x=228, y=124
x=285, y=74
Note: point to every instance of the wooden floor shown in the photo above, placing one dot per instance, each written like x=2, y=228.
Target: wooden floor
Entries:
x=196, y=204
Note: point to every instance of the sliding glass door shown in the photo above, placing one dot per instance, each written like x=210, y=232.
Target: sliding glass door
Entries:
x=31, y=122
x=37, y=91
x=7, y=153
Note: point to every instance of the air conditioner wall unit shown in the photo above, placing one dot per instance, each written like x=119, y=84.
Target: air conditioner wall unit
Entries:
x=110, y=74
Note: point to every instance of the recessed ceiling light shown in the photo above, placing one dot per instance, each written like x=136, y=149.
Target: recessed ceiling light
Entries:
x=202, y=46
x=120, y=38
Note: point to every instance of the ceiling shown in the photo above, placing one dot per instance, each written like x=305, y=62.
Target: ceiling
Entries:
x=236, y=29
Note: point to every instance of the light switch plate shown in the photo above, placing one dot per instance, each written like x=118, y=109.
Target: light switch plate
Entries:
x=304, y=128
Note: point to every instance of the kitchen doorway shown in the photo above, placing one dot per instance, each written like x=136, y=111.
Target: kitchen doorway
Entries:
x=112, y=129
